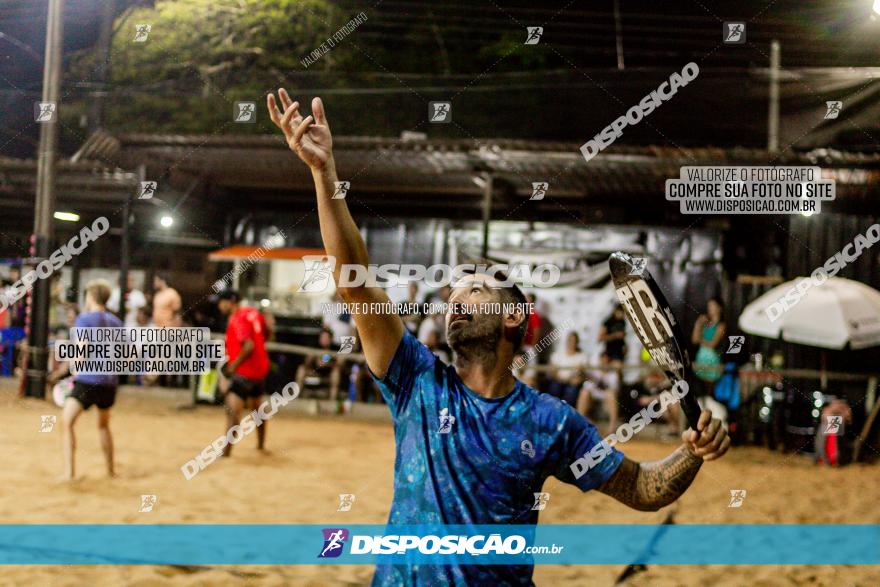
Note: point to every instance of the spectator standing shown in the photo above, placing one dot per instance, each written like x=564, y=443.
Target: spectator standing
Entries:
x=709, y=331
x=134, y=300
x=166, y=303
x=613, y=335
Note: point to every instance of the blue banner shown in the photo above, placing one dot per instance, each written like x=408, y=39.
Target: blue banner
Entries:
x=265, y=544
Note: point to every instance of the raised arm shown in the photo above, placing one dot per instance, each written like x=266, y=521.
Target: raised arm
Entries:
x=310, y=138
x=656, y=484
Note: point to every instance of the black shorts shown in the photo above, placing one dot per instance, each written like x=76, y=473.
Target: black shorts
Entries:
x=87, y=394
x=245, y=388
x=615, y=352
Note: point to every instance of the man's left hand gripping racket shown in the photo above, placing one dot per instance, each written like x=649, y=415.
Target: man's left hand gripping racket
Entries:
x=656, y=326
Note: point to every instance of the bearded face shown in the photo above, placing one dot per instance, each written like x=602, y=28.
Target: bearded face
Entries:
x=467, y=331
x=470, y=332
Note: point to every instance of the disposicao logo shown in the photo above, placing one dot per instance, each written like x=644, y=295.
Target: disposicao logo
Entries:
x=334, y=541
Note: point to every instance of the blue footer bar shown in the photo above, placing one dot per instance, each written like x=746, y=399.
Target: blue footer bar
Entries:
x=268, y=544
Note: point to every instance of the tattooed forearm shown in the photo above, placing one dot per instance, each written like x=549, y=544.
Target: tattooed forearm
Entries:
x=651, y=486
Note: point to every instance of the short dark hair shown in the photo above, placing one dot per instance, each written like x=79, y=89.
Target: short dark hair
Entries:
x=510, y=294
x=229, y=294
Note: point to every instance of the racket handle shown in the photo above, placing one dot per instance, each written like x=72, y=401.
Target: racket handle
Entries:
x=691, y=408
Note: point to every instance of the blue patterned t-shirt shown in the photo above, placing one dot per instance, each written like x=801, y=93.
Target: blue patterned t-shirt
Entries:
x=465, y=459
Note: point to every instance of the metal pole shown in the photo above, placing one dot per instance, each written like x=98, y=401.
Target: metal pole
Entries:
x=487, y=213
x=124, y=253
x=38, y=336
x=618, y=34
x=773, y=109
x=125, y=246
x=76, y=278
x=102, y=56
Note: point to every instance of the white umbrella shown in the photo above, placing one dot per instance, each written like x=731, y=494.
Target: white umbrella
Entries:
x=830, y=315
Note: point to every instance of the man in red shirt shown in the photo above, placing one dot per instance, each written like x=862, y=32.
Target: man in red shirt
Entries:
x=247, y=362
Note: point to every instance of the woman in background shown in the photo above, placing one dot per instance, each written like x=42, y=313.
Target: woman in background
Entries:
x=709, y=331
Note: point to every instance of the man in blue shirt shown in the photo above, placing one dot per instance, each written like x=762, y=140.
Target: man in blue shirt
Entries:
x=88, y=390
x=474, y=444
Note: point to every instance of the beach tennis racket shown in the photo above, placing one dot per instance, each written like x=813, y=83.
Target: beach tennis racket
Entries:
x=61, y=390
x=652, y=319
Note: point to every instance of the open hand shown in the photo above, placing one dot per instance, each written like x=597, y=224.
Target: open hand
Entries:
x=308, y=137
x=712, y=440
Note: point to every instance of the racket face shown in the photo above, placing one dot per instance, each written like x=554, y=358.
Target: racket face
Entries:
x=651, y=317
x=61, y=390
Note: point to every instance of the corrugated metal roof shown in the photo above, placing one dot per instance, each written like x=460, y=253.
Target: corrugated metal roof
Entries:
x=377, y=165
x=70, y=174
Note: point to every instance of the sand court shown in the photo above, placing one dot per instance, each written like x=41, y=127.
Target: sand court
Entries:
x=312, y=459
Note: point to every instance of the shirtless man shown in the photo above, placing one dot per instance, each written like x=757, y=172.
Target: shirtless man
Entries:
x=166, y=303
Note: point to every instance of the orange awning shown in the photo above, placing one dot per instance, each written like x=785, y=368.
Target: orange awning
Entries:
x=239, y=252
